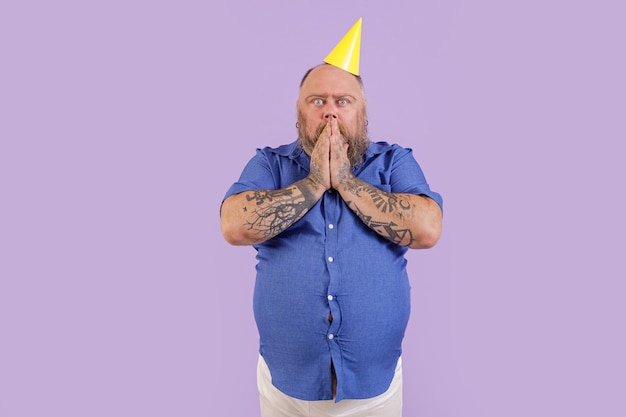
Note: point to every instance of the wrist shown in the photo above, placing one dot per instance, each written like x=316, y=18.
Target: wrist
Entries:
x=347, y=183
x=311, y=187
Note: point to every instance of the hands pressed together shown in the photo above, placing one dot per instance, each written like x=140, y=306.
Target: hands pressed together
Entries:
x=330, y=165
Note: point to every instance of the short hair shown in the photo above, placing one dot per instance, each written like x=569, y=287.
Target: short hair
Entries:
x=306, y=75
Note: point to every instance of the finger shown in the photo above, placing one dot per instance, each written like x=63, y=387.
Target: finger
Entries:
x=334, y=126
x=328, y=131
x=322, y=136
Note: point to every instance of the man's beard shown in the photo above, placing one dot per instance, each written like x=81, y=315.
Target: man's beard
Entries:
x=358, y=141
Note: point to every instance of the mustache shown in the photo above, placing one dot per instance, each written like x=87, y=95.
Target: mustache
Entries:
x=342, y=129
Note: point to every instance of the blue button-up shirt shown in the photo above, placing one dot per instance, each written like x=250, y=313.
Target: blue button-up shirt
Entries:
x=330, y=262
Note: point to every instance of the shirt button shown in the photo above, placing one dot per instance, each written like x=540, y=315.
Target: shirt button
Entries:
x=331, y=336
x=330, y=298
x=330, y=259
x=331, y=226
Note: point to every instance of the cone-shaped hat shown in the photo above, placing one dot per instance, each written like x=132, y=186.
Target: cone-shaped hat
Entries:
x=346, y=53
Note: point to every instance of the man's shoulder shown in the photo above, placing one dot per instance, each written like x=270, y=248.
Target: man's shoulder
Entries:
x=380, y=147
x=281, y=150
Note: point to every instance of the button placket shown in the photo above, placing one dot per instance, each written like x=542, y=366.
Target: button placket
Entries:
x=331, y=242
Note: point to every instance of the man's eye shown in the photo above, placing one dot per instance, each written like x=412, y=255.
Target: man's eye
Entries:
x=342, y=102
x=318, y=101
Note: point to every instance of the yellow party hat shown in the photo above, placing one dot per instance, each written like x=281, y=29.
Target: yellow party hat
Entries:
x=346, y=53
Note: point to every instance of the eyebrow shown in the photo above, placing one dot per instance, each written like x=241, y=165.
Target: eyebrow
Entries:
x=310, y=96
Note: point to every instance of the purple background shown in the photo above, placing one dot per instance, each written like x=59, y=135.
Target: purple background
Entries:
x=123, y=123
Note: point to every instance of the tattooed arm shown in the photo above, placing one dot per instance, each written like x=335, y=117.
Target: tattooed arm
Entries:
x=406, y=219
x=255, y=216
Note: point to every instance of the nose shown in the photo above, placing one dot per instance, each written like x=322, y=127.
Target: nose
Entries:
x=329, y=111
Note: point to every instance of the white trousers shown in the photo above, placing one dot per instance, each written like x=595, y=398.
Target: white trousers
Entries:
x=276, y=404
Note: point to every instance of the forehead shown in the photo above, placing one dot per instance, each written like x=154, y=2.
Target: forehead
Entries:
x=330, y=80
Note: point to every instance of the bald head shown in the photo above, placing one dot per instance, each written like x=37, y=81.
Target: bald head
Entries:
x=306, y=75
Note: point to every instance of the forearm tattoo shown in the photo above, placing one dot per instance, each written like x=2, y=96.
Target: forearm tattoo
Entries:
x=275, y=210
x=386, y=203
x=388, y=230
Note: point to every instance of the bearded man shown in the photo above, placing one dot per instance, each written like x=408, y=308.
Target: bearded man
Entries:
x=331, y=217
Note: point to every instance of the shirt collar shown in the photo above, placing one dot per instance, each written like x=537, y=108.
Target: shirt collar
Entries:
x=295, y=152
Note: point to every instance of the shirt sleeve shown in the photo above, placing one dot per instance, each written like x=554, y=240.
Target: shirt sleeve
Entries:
x=256, y=175
x=407, y=176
